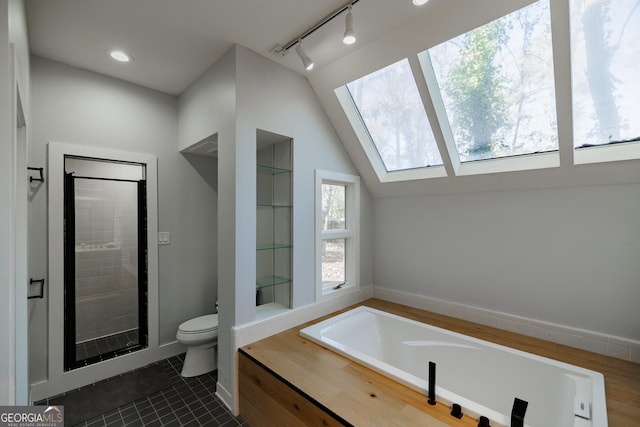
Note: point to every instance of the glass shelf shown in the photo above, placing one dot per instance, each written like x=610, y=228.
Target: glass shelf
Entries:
x=274, y=213
x=269, y=281
x=270, y=246
x=274, y=206
x=270, y=170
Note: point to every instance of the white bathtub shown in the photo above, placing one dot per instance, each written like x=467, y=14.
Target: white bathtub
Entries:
x=482, y=377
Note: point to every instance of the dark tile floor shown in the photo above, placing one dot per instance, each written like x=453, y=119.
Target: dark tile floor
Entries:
x=187, y=402
x=92, y=348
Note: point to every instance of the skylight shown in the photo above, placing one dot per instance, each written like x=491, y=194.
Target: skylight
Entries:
x=496, y=84
x=393, y=113
x=485, y=101
x=605, y=49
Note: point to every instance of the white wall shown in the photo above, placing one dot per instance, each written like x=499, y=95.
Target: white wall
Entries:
x=271, y=98
x=14, y=72
x=208, y=107
x=80, y=107
x=278, y=100
x=567, y=256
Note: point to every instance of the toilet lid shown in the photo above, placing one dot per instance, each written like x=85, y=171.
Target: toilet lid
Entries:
x=200, y=324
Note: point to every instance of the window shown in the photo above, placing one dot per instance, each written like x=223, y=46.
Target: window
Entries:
x=393, y=113
x=496, y=84
x=485, y=103
x=337, y=219
x=605, y=56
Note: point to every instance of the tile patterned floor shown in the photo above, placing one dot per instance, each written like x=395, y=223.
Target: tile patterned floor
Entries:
x=188, y=402
x=92, y=348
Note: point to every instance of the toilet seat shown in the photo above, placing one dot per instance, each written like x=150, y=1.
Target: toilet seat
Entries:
x=199, y=330
x=202, y=324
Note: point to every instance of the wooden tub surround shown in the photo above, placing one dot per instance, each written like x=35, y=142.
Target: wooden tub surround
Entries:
x=286, y=380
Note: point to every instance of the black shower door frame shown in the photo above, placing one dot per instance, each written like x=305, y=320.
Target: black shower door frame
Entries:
x=70, y=358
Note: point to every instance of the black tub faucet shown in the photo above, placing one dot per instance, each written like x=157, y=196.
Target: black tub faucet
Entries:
x=432, y=383
x=517, y=412
x=483, y=422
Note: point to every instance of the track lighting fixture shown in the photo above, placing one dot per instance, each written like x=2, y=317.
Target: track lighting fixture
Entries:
x=349, y=33
x=348, y=38
x=306, y=61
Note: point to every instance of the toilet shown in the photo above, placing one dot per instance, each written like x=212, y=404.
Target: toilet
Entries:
x=200, y=335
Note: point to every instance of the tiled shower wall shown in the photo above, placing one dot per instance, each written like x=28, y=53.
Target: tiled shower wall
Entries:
x=106, y=257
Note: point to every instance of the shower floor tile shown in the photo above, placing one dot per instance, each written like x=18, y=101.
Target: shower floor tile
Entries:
x=92, y=348
x=187, y=401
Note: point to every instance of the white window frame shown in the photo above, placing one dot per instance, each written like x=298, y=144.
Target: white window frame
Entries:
x=351, y=232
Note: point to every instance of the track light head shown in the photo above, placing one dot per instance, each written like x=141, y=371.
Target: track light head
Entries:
x=306, y=61
x=349, y=33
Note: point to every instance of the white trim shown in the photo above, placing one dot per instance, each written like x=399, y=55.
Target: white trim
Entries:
x=607, y=153
x=596, y=342
x=21, y=237
x=509, y=164
x=58, y=380
x=259, y=329
x=171, y=349
x=350, y=110
x=351, y=234
x=226, y=398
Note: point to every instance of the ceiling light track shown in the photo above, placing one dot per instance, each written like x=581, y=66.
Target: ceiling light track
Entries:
x=284, y=49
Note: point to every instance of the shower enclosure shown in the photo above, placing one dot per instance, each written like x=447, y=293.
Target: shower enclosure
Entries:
x=105, y=272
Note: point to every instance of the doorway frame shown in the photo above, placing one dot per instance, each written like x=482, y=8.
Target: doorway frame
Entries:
x=58, y=380
x=19, y=340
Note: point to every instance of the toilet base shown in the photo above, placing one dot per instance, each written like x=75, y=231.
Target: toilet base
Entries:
x=199, y=360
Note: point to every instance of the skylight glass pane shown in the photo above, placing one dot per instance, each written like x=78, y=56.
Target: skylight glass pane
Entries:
x=605, y=63
x=392, y=111
x=497, y=86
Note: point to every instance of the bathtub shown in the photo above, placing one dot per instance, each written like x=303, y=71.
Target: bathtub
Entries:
x=482, y=377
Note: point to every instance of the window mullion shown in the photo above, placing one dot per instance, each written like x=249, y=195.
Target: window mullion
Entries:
x=336, y=234
x=434, y=106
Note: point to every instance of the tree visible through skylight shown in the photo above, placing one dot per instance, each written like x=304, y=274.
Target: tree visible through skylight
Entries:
x=605, y=61
x=391, y=108
x=497, y=86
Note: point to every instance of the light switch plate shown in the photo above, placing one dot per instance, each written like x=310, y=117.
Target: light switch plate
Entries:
x=164, y=238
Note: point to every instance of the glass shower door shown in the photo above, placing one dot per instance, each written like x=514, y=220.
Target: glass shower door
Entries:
x=105, y=260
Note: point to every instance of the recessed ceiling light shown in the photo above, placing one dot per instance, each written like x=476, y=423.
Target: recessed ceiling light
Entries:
x=419, y=2
x=120, y=55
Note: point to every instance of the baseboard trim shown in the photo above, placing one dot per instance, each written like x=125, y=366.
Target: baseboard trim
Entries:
x=226, y=398
x=596, y=342
x=170, y=349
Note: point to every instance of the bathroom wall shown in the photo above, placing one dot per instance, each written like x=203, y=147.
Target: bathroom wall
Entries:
x=254, y=93
x=13, y=262
x=80, y=107
x=275, y=99
x=568, y=256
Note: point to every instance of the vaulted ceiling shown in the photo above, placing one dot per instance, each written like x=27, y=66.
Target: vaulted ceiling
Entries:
x=173, y=42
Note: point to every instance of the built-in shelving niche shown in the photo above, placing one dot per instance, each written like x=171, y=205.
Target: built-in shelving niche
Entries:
x=274, y=211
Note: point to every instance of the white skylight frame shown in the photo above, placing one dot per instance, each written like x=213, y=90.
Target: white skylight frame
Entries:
x=406, y=46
